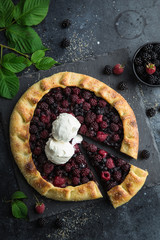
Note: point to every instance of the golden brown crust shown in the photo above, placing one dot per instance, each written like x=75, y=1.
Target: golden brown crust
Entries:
x=133, y=182
x=23, y=113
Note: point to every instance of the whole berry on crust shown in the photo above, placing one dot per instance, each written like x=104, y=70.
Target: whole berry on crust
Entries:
x=107, y=70
x=122, y=86
x=66, y=23
x=150, y=112
x=144, y=154
x=118, y=69
x=65, y=43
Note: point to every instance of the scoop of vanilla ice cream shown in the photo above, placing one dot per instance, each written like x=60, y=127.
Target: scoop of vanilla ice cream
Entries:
x=65, y=127
x=58, y=152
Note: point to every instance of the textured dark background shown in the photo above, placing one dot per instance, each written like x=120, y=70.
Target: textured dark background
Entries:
x=97, y=27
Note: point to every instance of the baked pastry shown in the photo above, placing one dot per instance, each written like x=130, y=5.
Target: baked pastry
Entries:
x=104, y=115
x=121, y=180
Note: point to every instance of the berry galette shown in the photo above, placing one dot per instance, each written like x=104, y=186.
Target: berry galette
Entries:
x=103, y=115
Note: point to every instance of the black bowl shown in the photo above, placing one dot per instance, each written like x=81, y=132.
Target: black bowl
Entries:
x=133, y=65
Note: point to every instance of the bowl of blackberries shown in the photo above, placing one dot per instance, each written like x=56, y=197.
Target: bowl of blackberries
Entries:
x=146, y=64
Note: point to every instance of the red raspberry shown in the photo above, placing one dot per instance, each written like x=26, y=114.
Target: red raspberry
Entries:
x=65, y=103
x=86, y=106
x=99, y=118
x=117, y=175
x=92, y=148
x=68, y=167
x=53, y=116
x=105, y=175
x=80, y=119
x=59, y=181
x=103, y=125
x=39, y=208
x=74, y=98
x=98, y=158
x=90, y=117
x=76, y=90
x=75, y=181
x=101, y=136
x=76, y=147
x=37, y=151
x=93, y=102
x=114, y=127
x=83, y=129
x=85, y=172
x=44, y=134
x=110, y=163
x=116, y=137
x=45, y=118
x=48, y=168
x=102, y=103
x=103, y=153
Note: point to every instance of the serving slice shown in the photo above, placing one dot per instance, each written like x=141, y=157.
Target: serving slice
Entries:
x=121, y=180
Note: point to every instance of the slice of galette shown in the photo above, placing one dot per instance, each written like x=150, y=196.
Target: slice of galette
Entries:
x=121, y=180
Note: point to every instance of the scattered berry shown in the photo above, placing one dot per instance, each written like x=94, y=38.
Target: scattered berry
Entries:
x=59, y=223
x=103, y=153
x=40, y=207
x=150, y=68
x=41, y=222
x=118, y=69
x=66, y=23
x=145, y=154
x=150, y=112
x=107, y=70
x=101, y=136
x=122, y=86
x=59, y=181
x=65, y=43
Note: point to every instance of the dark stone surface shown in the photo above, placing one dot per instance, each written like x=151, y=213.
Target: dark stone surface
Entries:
x=97, y=27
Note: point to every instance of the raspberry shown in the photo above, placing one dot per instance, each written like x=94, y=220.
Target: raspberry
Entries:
x=44, y=134
x=102, y=103
x=59, y=181
x=83, y=129
x=114, y=127
x=65, y=43
x=90, y=117
x=65, y=103
x=99, y=118
x=117, y=175
x=145, y=154
x=37, y=151
x=48, y=168
x=74, y=98
x=84, y=180
x=150, y=112
x=66, y=23
x=116, y=137
x=76, y=90
x=43, y=105
x=103, y=125
x=86, y=95
x=92, y=148
x=93, y=102
x=105, y=175
x=101, y=136
x=110, y=163
x=86, y=106
x=76, y=172
x=80, y=159
x=33, y=129
x=85, y=172
x=80, y=119
x=67, y=91
x=68, y=167
x=39, y=208
x=45, y=118
x=94, y=126
x=107, y=70
x=98, y=158
x=103, y=153
x=75, y=181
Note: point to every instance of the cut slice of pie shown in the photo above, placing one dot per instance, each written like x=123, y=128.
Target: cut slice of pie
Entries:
x=121, y=180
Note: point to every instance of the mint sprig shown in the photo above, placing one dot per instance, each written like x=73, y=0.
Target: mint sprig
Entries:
x=23, y=41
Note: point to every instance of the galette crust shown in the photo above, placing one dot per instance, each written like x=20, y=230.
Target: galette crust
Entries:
x=133, y=182
x=19, y=132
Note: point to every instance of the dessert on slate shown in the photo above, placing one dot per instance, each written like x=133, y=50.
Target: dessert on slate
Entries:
x=46, y=129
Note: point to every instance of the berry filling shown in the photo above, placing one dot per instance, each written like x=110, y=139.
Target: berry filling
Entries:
x=111, y=169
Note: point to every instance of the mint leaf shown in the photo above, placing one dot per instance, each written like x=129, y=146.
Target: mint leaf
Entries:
x=45, y=63
x=19, y=209
x=18, y=195
x=9, y=84
x=24, y=39
x=6, y=12
x=15, y=63
x=37, y=55
x=31, y=13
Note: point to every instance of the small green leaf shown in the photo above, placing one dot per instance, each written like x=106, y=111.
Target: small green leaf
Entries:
x=19, y=209
x=37, y=55
x=15, y=63
x=45, y=63
x=18, y=195
x=24, y=39
x=6, y=12
x=29, y=13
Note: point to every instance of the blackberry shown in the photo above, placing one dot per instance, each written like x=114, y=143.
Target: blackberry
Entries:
x=122, y=86
x=157, y=81
x=156, y=62
x=148, y=48
x=145, y=154
x=140, y=70
x=157, y=48
x=107, y=70
x=59, y=223
x=138, y=61
x=151, y=79
x=154, y=55
x=150, y=112
x=41, y=222
x=146, y=56
x=66, y=23
x=65, y=43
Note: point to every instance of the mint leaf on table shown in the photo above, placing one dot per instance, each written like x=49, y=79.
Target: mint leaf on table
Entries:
x=15, y=63
x=23, y=39
x=9, y=84
x=45, y=63
x=37, y=55
x=18, y=195
x=19, y=209
x=6, y=12
x=29, y=13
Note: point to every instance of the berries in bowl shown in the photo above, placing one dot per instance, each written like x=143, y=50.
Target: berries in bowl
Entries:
x=146, y=64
